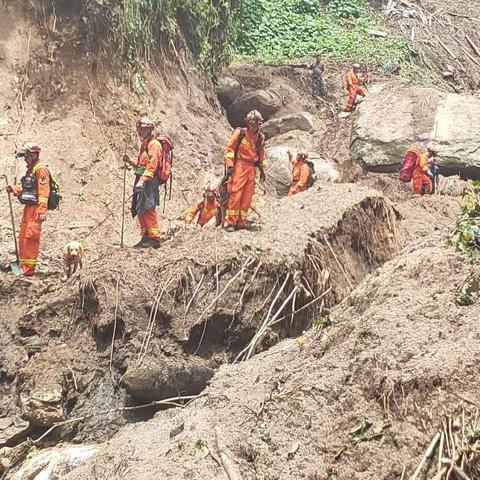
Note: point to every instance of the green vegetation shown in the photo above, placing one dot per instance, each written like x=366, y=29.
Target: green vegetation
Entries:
x=467, y=239
x=467, y=234
x=137, y=30
x=276, y=30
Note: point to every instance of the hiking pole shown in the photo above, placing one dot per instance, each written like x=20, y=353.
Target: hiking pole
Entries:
x=123, y=200
x=15, y=266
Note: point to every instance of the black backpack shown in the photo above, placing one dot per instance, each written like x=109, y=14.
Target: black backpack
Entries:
x=55, y=197
x=311, y=177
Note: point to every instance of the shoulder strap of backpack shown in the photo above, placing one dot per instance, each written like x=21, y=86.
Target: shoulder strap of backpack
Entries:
x=241, y=136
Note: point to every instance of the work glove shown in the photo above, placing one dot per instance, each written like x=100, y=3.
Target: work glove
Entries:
x=128, y=160
x=42, y=217
x=9, y=189
x=230, y=171
x=139, y=187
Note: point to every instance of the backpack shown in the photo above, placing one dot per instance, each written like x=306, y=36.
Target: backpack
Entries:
x=164, y=171
x=409, y=163
x=312, y=177
x=55, y=197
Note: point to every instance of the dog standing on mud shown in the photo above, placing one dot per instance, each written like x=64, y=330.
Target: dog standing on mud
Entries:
x=72, y=254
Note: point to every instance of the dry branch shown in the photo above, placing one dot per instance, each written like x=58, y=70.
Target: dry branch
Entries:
x=225, y=457
x=472, y=44
x=428, y=454
x=112, y=345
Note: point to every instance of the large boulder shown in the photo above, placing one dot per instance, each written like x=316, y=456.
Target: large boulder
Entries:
x=279, y=173
x=294, y=121
x=266, y=102
x=387, y=123
x=228, y=90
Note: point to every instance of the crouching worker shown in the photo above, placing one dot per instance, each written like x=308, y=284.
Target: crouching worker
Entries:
x=302, y=175
x=206, y=209
x=34, y=193
x=420, y=179
x=146, y=195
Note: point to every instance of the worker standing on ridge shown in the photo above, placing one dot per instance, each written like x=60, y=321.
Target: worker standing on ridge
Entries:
x=420, y=178
x=34, y=193
x=146, y=195
x=300, y=173
x=245, y=152
x=434, y=173
x=318, y=82
x=353, y=87
x=206, y=209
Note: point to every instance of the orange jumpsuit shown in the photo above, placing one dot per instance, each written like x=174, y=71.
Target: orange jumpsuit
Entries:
x=31, y=226
x=420, y=177
x=146, y=168
x=353, y=89
x=205, y=209
x=300, y=174
x=241, y=185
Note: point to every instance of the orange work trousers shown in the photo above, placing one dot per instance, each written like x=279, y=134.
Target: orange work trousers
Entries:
x=29, y=240
x=353, y=91
x=241, y=187
x=420, y=180
x=149, y=223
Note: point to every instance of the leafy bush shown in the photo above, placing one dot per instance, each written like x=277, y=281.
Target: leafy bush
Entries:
x=346, y=8
x=275, y=30
x=136, y=30
x=467, y=234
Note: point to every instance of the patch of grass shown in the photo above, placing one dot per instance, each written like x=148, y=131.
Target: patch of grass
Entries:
x=273, y=31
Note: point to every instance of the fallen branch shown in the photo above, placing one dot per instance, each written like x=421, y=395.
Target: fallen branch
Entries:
x=445, y=48
x=225, y=457
x=474, y=47
x=342, y=269
x=247, y=263
x=428, y=454
x=112, y=344
x=194, y=294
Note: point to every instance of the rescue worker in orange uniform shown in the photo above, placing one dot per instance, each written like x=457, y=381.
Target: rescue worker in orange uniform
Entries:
x=354, y=88
x=206, y=209
x=300, y=173
x=33, y=193
x=245, y=152
x=421, y=180
x=146, y=195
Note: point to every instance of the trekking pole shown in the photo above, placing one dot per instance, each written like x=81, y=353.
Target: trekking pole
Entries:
x=15, y=266
x=123, y=203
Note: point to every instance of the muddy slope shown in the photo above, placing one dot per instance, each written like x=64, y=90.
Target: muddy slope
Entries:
x=360, y=399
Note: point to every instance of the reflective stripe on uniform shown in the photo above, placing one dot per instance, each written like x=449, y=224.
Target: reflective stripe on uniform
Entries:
x=148, y=174
x=28, y=261
x=230, y=154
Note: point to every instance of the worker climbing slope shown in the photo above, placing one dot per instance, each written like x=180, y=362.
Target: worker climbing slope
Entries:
x=245, y=152
x=34, y=193
x=301, y=173
x=146, y=195
x=206, y=209
x=421, y=180
x=354, y=88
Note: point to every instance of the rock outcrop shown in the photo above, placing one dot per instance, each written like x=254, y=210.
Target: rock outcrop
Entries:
x=295, y=121
x=266, y=102
x=387, y=123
